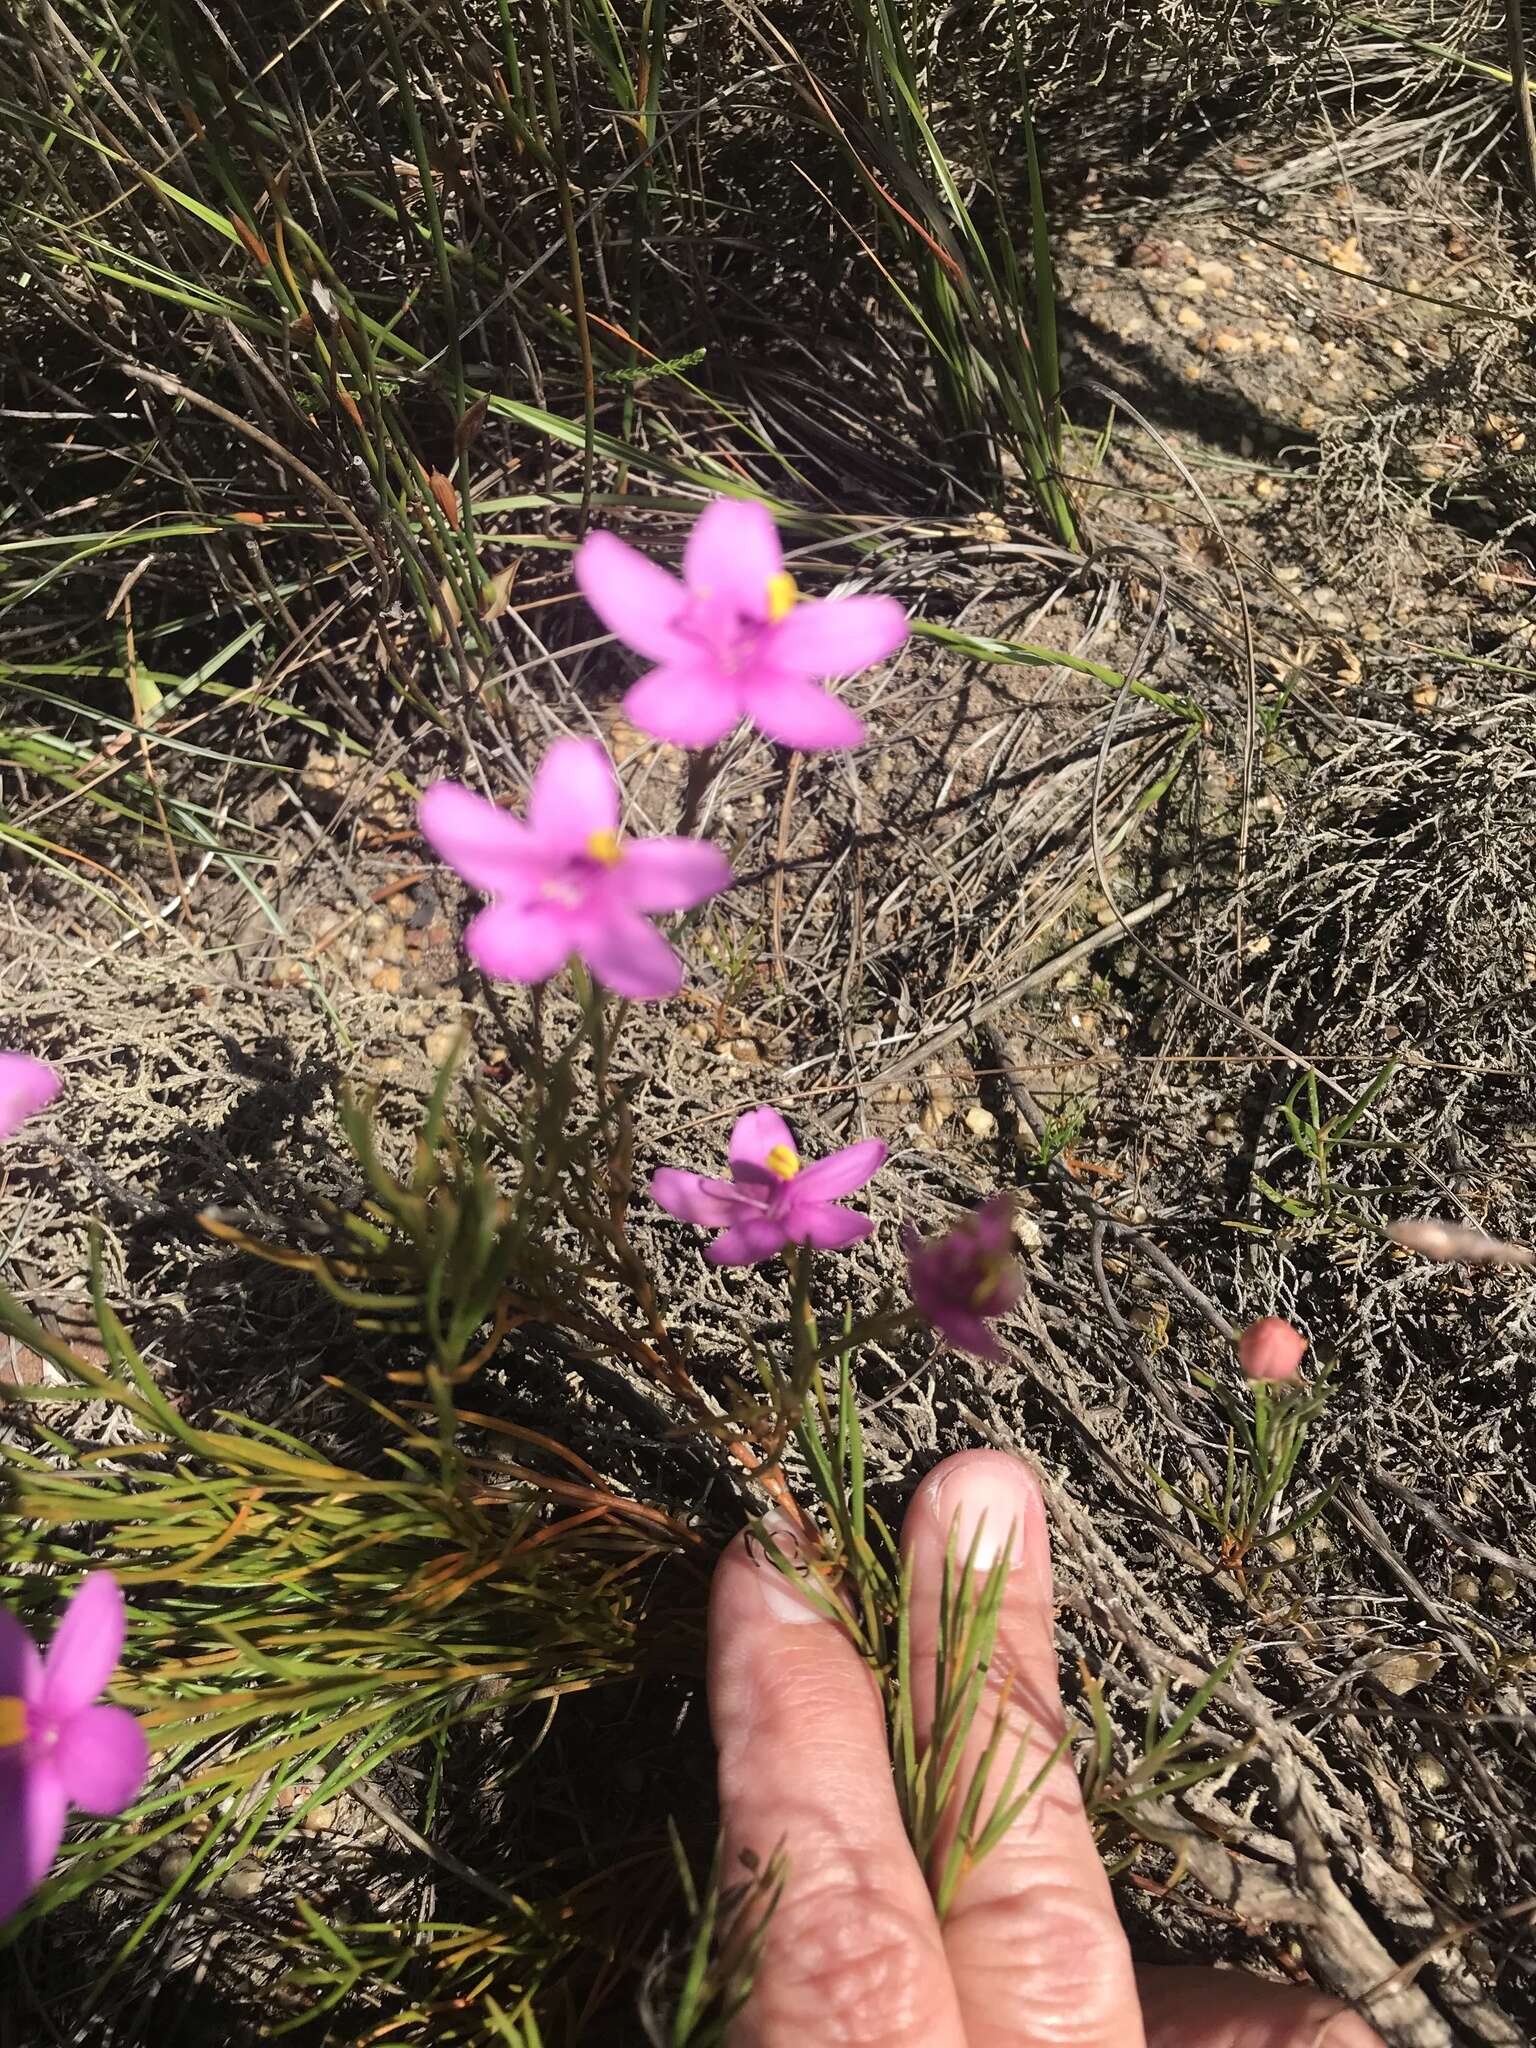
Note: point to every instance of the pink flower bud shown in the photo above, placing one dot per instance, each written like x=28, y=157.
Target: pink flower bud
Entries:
x=1271, y=1350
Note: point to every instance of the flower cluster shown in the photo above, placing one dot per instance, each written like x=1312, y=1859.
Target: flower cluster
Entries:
x=731, y=640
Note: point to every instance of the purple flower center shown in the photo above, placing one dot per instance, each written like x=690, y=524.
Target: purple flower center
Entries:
x=31, y=1729
x=728, y=633
x=574, y=883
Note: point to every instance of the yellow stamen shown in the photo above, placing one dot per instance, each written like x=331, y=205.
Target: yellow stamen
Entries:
x=13, y=1722
x=783, y=1161
x=604, y=847
x=782, y=596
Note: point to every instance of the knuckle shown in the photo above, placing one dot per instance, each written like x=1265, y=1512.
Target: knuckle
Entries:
x=1054, y=1950
x=849, y=1969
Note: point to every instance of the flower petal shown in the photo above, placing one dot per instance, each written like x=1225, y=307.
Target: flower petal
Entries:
x=966, y=1331
x=835, y=636
x=26, y=1086
x=840, y=1172
x=800, y=714
x=86, y=1645
x=671, y=874
x=989, y=1228
x=687, y=706
x=102, y=1759
x=521, y=941
x=633, y=596
x=829, y=1228
x=21, y=1665
x=697, y=1198
x=479, y=840
x=630, y=956
x=574, y=795
x=759, y=1132
x=733, y=552
x=32, y=1810
x=749, y=1242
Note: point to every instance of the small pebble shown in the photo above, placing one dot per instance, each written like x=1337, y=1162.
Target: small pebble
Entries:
x=319, y=1819
x=174, y=1864
x=981, y=1123
x=1468, y=1587
x=243, y=1882
x=1430, y=1772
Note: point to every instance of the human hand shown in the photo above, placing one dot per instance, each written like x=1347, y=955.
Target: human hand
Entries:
x=1031, y=1954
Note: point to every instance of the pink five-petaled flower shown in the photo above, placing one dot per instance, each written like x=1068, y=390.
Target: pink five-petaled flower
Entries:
x=771, y=1199
x=1271, y=1349
x=58, y=1748
x=26, y=1086
x=734, y=639
x=564, y=881
x=960, y=1279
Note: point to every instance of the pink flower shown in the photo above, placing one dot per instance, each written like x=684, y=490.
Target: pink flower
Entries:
x=734, y=639
x=1271, y=1350
x=771, y=1199
x=57, y=1748
x=26, y=1086
x=564, y=882
x=960, y=1279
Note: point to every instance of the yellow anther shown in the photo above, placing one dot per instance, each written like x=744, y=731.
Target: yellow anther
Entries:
x=784, y=1161
x=13, y=1722
x=782, y=596
x=604, y=848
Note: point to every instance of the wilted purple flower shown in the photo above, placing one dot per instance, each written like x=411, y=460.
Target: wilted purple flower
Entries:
x=58, y=1748
x=565, y=882
x=26, y=1086
x=967, y=1275
x=771, y=1199
x=734, y=639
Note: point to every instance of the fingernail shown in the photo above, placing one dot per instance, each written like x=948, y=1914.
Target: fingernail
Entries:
x=779, y=1593
x=983, y=1507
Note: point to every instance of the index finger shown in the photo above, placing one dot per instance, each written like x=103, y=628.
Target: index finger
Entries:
x=1034, y=1943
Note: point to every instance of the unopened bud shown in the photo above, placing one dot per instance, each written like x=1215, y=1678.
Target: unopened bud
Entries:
x=1271, y=1350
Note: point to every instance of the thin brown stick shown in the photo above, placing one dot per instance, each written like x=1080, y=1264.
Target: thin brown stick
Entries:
x=1514, y=30
x=174, y=388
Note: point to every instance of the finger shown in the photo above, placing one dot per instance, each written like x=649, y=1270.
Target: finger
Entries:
x=1034, y=1943
x=1194, y=2008
x=852, y=1952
